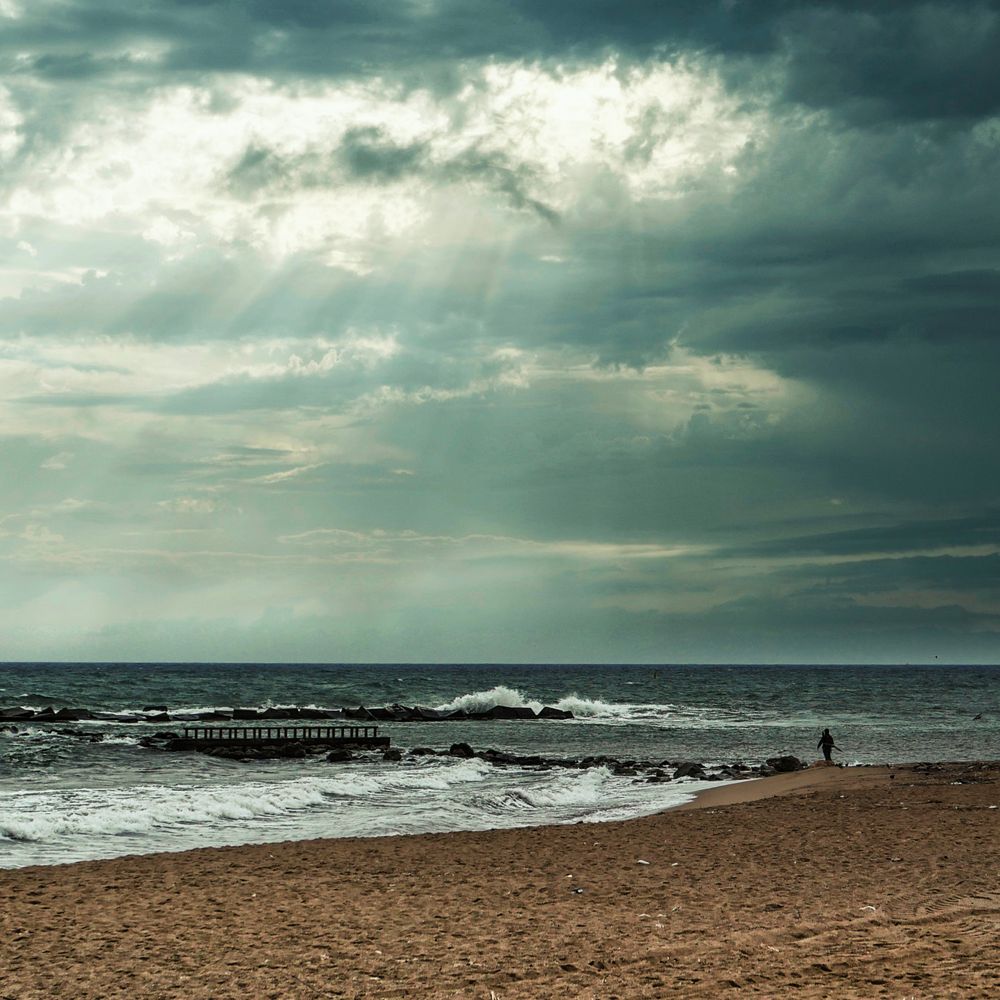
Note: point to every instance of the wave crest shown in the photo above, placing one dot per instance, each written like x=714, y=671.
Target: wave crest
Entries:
x=483, y=701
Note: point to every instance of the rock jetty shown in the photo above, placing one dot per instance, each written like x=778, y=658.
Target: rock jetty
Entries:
x=387, y=713
x=651, y=771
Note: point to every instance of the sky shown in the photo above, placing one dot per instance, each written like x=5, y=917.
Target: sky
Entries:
x=499, y=331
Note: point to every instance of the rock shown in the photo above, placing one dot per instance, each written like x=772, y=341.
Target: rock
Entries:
x=554, y=713
x=784, y=764
x=16, y=714
x=235, y=753
x=402, y=713
x=246, y=713
x=69, y=715
x=274, y=713
x=179, y=745
x=509, y=712
x=154, y=740
x=428, y=714
x=360, y=713
x=393, y=755
x=422, y=752
x=339, y=755
x=163, y=717
x=689, y=769
x=154, y=708
x=461, y=750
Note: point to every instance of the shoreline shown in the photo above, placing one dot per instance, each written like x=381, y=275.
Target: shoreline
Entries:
x=829, y=880
x=810, y=778
x=726, y=792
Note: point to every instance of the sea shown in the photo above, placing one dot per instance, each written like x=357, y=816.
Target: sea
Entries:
x=64, y=798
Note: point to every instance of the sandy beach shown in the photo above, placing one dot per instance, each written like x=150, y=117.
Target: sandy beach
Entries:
x=846, y=882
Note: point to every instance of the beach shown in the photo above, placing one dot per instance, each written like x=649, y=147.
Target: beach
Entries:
x=847, y=882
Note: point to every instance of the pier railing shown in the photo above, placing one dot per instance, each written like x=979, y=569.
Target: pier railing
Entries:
x=280, y=734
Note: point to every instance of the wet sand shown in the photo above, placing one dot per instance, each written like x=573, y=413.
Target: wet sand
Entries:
x=832, y=882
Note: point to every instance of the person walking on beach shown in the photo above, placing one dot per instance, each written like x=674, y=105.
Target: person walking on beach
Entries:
x=827, y=745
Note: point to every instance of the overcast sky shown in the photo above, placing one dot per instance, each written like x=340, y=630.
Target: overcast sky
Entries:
x=499, y=330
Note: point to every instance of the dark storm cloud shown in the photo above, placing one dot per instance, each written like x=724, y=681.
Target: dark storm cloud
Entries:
x=367, y=154
x=982, y=529
x=976, y=574
x=905, y=60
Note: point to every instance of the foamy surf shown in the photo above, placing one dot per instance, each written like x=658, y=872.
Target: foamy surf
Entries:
x=361, y=799
x=483, y=701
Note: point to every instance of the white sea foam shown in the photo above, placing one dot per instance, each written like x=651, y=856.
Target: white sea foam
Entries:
x=42, y=816
x=432, y=794
x=483, y=701
x=573, y=788
x=591, y=709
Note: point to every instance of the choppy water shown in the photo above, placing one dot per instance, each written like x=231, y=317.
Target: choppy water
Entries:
x=63, y=799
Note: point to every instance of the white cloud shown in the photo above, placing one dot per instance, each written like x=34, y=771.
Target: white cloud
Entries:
x=403, y=545
x=189, y=505
x=58, y=461
x=11, y=122
x=159, y=167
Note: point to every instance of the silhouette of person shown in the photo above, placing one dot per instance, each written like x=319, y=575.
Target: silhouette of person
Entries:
x=827, y=745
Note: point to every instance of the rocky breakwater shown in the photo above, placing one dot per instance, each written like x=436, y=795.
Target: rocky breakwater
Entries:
x=651, y=771
x=415, y=713
x=387, y=713
x=160, y=713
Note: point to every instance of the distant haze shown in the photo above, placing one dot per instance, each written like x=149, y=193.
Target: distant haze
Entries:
x=499, y=330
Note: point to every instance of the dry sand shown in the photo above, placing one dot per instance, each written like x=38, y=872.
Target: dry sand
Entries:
x=826, y=883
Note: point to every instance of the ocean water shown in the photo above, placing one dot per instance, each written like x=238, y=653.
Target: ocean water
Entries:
x=63, y=798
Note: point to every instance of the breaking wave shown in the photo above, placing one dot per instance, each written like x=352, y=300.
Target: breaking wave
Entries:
x=143, y=809
x=483, y=701
x=581, y=790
